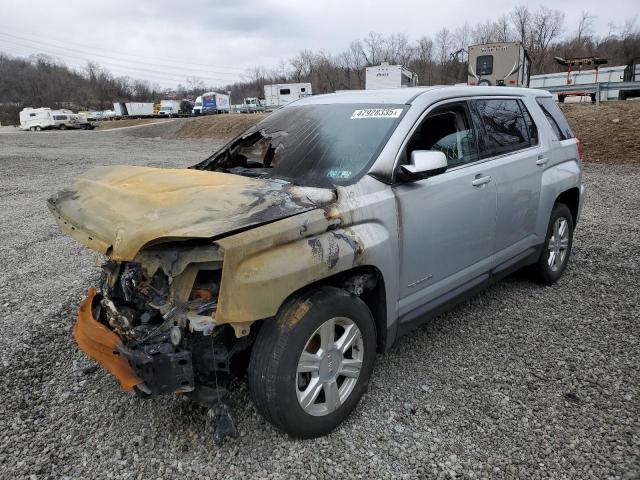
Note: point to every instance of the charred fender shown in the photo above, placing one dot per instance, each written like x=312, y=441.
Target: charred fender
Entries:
x=263, y=266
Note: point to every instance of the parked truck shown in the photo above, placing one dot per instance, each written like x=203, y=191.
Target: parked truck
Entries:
x=389, y=76
x=211, y=102
x=169, y=108
x=280, y=94
x=36, y=119
x=499, y=64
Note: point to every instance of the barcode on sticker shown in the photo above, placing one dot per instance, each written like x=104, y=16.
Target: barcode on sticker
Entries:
x=377, y=113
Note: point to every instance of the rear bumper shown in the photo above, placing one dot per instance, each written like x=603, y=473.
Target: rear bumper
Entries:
x=102, y=345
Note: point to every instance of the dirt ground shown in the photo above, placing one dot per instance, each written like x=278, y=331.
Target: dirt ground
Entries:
x=223, y=127
x=610, y=133
x=133, y=122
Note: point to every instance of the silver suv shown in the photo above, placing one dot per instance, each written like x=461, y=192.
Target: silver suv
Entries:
x=316, y=239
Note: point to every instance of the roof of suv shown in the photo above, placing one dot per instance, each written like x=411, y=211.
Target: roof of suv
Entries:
x=407, y=95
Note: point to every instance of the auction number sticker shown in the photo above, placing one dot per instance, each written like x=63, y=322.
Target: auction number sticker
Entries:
x=377, y=113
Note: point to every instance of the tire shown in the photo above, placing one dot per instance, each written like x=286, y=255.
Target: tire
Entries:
x=277, y=386
x=561, y=98
x=38, y=128
x=33, y=129
x=63, y=127
x=543, y=271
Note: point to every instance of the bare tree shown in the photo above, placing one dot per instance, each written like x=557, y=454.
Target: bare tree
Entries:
x=585, y=25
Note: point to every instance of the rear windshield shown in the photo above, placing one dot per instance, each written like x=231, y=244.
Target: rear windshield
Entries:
x=311, y=145
x=555, y=118
x=484, y=65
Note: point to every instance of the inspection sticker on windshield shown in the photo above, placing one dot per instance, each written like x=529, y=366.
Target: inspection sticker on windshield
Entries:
x=377, y=113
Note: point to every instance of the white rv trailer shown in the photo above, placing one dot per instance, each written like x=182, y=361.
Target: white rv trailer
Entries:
x=503, y=64
x=389, y=76
x=605, y=74
x=36, y=119
x=280, y=94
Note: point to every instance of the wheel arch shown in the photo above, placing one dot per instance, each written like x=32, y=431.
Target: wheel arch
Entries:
x=571, y=198
x=373, y=294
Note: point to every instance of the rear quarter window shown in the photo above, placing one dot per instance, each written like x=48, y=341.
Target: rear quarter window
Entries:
x=555, y=118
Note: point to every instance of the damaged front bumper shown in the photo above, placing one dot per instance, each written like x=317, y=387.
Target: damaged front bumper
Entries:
x=155, y=369
x=102, y=345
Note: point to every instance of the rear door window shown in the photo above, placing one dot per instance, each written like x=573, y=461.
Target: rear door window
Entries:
x=504, y=125
x=555, y=117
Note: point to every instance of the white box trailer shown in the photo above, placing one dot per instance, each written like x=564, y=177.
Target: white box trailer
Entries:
x=605, y=74
x=133, y=109
x=280, y=94
x=139, y=109
x=169, y=108
x=500, y=64
x=389, y=76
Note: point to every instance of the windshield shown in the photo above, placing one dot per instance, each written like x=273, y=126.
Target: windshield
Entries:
x=310, y=145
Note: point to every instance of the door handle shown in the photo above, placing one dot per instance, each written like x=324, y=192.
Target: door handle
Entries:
x=479, y=181
x=541, y=160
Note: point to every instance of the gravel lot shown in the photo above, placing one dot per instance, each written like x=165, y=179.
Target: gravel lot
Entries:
x=522, y=381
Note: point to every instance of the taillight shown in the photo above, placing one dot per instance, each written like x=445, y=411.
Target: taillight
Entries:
x=579, y=149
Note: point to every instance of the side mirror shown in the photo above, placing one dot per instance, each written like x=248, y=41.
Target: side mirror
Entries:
x=424, y=164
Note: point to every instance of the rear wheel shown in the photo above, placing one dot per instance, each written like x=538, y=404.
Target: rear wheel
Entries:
x=311, y=364
x=557, y=247
x=33, y=129
x=63, y=127
x=38, y=128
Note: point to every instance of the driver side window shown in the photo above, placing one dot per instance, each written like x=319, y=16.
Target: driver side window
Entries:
x=447, y=129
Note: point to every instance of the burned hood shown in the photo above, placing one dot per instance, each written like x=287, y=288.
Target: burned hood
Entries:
x=120, y=209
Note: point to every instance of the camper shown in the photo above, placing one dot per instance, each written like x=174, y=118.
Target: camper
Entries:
x=211, y=102
x=280, y=94
x=389, y=76
x=500, y=64
x=169, y=108
x=36, y=119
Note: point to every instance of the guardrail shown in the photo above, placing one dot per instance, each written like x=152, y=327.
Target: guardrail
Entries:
x=595, y=88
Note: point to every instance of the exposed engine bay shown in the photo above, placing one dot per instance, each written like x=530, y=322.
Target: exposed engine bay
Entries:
x=162, y=308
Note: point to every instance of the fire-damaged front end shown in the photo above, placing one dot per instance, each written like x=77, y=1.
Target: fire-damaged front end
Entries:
x=162, y=306
x=154, y=321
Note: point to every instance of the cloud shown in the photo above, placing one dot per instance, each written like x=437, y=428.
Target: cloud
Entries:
x=165, y=40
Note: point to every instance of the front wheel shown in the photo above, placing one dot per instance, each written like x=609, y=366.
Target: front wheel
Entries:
x=557, y=246
x=311, y=364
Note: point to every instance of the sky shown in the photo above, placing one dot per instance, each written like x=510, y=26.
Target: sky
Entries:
x=167, y=41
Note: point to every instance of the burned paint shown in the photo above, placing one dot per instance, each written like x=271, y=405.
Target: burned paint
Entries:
x=121, y=209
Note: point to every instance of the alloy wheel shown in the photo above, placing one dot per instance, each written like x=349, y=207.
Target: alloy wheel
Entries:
x=558, y=244
x=329, y=366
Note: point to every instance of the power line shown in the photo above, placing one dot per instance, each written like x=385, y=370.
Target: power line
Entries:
x=112, y=52
x=82, y=52
x=170, y=76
